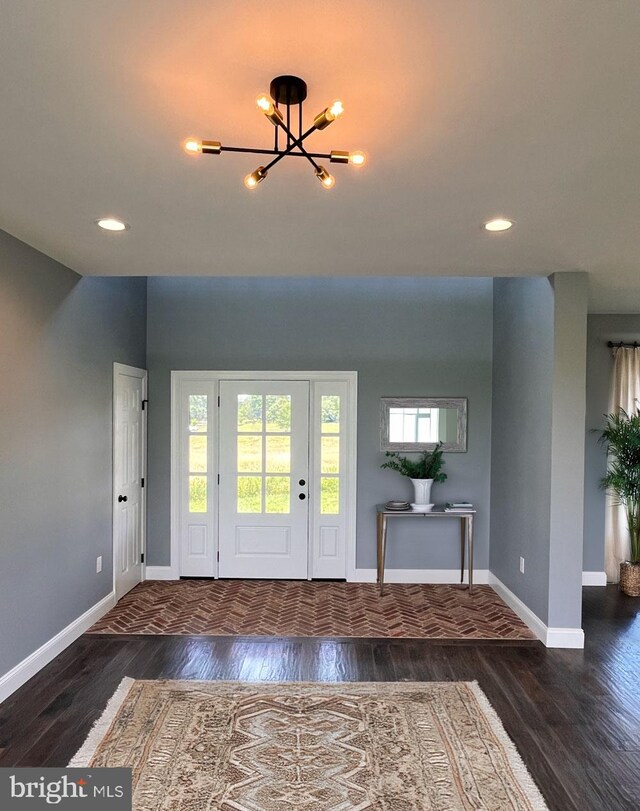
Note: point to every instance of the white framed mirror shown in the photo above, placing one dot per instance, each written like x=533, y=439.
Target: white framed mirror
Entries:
x=420, y=423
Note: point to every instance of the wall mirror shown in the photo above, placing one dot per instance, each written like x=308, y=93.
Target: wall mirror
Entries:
x=419, y=423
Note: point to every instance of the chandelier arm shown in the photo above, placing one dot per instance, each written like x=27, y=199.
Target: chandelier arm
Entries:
x=274, y=161
x=292, y=140
x=306, y=155
x=289, y=152
x=249, y=150
x=284, y=153
x=311, y=160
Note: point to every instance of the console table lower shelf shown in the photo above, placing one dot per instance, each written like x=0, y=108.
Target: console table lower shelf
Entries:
x=466, y=535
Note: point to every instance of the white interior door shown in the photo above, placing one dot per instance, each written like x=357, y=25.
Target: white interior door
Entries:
x=264, y=479
x=129, y=453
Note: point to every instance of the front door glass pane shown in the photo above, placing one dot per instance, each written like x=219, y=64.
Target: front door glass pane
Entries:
x=249, y=454
x=330, y=454
x=249, y=413
x=330, y=413
x=197, y=454
x=197, y=494
x=278, y=452
x=197, y=413
x=278, y=499
x=329, y=495
x=278, y=413
x=249, y=494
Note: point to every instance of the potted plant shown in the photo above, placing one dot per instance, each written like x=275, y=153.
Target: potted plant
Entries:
x=621, y=435
x=423, y=472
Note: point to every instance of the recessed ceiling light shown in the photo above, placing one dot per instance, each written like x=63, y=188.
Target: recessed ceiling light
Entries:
x=499, y=224
x=112, y=224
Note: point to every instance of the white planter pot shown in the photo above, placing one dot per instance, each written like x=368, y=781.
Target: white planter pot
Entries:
x=422, y=488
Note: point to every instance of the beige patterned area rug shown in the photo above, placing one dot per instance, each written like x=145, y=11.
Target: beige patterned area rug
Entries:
x=229, y=746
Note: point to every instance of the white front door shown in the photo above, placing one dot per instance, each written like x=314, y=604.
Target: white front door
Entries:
x=264, y=479
x=129, y=392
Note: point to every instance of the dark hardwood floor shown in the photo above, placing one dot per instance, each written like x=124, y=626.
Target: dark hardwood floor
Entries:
x=574, y=715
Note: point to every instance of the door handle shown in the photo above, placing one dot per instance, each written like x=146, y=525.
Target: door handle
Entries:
x=302, y=496
x=121, y=498
x=302, y=482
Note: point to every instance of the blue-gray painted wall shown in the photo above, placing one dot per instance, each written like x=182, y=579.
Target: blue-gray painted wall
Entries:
x=566, y=536
x=59, y=337
x=523, y=349
x=600, y=329
x=404, y=337
x=537, y=492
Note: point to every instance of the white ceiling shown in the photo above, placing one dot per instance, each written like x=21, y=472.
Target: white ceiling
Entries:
x=467, y=110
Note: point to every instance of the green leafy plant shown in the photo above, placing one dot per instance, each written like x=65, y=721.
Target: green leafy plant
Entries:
x=621, y=435
x=428, y=466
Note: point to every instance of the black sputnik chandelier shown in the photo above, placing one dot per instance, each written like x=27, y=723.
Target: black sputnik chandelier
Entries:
x=286, y=92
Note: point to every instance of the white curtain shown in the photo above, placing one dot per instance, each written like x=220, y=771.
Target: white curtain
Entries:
x=625, y=394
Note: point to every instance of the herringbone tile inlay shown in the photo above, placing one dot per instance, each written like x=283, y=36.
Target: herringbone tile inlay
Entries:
x=312, y=608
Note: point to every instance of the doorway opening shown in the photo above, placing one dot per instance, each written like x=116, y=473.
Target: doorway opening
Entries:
x=263, y=474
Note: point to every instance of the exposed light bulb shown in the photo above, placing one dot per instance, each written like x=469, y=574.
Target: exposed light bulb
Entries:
x=192, y=147
x=252, y=180
x=112, y=224
x=499, y=224
x=328, y=181
x=328, y=115
x=264, y=102
x=357, y=158
x=336, y=109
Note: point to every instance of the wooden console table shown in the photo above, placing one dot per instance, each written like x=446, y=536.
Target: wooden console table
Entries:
x=466, y=535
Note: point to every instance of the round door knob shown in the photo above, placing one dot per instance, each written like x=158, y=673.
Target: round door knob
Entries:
x=302, y=482
x=122, y=498
x=302, y=496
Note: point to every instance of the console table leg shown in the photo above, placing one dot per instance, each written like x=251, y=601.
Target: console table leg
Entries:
x=379, y=538
x=463, y=540
x=384, y=552
x=470, y=532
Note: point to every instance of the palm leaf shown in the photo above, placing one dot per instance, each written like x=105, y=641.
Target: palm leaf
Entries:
x=621, y=436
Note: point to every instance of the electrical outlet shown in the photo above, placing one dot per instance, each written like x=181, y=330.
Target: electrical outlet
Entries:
x=521, y=565
x=98, y=564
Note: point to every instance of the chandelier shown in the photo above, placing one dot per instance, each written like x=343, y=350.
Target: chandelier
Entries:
x=286, y=92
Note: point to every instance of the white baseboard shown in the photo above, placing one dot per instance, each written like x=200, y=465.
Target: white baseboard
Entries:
x=28, y=667
x=518, y=607
x=160, y=573
x=594, y=578
x=565, y=638
x=480, y=576
x=551, y=637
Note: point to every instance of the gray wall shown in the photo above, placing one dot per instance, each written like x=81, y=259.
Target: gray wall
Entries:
x=59, y=336
x=600, y=329
x=537, y=486
x=566, y=539
x=404, y=337
x=523, y=346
